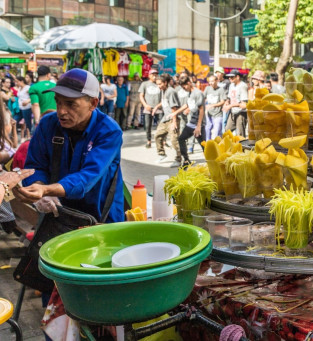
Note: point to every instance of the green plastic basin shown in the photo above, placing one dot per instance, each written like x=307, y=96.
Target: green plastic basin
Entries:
x=96, y=245
x=125, y=297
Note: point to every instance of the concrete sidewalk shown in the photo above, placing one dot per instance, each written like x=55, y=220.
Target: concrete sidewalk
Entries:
x=138, y=162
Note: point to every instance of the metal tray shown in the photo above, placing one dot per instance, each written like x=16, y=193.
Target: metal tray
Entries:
x=269, y=264
x=255, y=213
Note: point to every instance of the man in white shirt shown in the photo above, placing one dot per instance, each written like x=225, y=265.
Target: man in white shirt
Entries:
x=236, y=103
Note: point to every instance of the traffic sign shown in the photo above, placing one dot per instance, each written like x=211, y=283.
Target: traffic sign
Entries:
x=248, y=27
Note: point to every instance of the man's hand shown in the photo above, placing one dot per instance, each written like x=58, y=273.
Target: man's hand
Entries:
x=148, y=108
x=197, y=131
x=47, y=205
x=30, y=194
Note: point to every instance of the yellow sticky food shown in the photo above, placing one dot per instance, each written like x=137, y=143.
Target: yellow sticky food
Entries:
x=223, y=157
x=273, y=98
x=262, y=158
x=228, y=142
x=280, y=160
x=261, y=145
x=302, y=154
x=130, y=216
x=299, y=180
x=296, y=164
x=218, y=139
x=291, y=117
x=236, y=148
x=261, y=92
x=211, y=150
x=228, y=133
x=139, y=216
x=238, y=138
x=272, y=107
x=293, y=142
x=258, y=117
x=272, y=153
x=297, y=95
x=294, y=152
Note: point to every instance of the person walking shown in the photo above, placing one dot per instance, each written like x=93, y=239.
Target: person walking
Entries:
x=150, y=97
x=134, y=102
x=236, y=103
x=196, y=124
x=24, y=103
x=223, y=83
x=121, y=104
x=215, y=99
x=169, y=124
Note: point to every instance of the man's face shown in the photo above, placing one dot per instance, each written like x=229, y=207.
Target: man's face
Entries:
x=161, y=85
x=187, y=87
x=152, y=77
x=120, y=80
x=7, y=83
x=219, y=75
x=234, y=79
x=75, y=113
x=213, y=82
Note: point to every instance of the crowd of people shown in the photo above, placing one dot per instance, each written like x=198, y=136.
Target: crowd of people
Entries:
x=182, y=107
x=194, y=110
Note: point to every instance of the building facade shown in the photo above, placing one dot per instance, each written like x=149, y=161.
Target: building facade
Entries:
x=187, y=32
x=30, y=18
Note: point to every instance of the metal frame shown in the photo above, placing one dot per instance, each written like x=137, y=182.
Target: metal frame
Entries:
x=189, y=314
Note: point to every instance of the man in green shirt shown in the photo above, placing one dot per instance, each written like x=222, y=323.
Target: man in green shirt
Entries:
x=42, y=103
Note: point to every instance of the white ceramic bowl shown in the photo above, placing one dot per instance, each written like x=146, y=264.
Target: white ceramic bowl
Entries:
x=145, y=253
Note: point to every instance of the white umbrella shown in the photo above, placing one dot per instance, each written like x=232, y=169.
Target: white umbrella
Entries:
x=97, y=35
x=46, y=37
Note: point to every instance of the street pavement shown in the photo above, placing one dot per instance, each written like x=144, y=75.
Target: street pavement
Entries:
x=138, y=163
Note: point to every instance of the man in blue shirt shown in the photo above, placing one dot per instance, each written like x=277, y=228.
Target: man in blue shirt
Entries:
x=90, y=154
x=121, y=104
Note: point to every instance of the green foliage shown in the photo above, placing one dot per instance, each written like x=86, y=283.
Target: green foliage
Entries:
x=271, y=32
x=79, y=20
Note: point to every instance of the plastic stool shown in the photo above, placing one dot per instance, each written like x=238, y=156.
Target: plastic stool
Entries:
x=6, y=312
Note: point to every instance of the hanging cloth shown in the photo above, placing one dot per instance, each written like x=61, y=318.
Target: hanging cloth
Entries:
x=135, y=65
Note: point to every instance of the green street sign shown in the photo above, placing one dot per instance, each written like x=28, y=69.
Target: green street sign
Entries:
x=248, y=27
x=11, y=61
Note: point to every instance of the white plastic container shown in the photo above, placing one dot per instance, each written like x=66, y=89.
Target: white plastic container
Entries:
x=160, y=205
x=145, y=253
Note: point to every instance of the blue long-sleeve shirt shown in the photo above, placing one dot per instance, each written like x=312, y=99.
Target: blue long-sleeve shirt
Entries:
x=87, y=178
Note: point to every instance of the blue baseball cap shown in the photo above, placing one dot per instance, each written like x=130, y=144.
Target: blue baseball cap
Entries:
x=76, y=83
